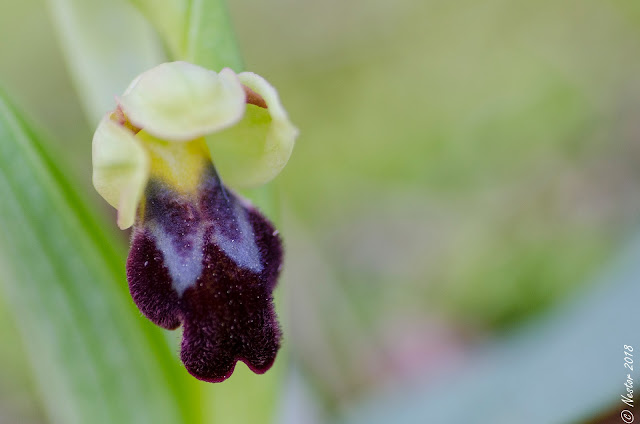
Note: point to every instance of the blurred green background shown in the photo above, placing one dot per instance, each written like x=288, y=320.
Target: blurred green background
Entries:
x=463, y=167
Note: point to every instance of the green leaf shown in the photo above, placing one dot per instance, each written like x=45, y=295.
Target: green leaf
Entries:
x=197, y=31
x=210, y=41
x=169, y=18
x=106, y=44
x=95, y=360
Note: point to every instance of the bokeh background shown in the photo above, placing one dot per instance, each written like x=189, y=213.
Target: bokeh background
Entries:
x=465, y=168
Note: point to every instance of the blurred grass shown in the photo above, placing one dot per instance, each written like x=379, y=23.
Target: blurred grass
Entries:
x=470, y=160
x=503, y=122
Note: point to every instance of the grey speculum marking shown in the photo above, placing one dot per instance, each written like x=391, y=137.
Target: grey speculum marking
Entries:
x=180, y=223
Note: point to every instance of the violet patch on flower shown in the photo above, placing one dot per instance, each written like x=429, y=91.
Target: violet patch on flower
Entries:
x=201, y=256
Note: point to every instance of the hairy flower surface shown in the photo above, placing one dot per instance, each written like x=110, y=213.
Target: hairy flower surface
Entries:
x=201, y=256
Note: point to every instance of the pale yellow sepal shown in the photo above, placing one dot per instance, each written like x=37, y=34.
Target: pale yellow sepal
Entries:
x=255, y=150
x=179, y=101
x=120, y=169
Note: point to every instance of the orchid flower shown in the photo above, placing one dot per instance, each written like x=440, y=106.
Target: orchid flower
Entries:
x=201, y=256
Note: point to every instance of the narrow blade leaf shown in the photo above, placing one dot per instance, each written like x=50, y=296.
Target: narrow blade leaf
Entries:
x=94, y=359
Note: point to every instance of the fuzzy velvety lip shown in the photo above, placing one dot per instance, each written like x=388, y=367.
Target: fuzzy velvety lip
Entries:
x=211, y=263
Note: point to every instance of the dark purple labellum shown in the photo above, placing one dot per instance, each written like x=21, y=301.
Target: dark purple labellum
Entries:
x=209, y=262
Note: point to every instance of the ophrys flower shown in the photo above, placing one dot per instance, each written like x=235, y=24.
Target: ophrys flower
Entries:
x=201, y=255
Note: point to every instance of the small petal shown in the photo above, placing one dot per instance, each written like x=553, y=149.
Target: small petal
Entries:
x=256, y=149
x=179, y=101
x=120, y=169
